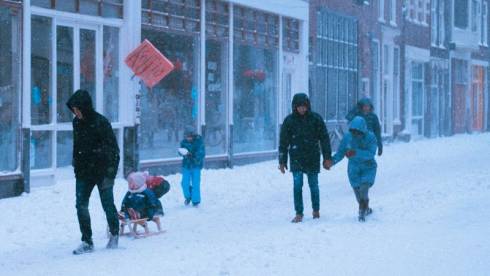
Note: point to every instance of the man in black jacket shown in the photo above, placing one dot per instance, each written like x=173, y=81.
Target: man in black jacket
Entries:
x=95, y=160
x=303, y=135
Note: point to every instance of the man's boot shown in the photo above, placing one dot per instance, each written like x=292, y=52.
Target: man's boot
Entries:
x=85, y=247
x=298, y=218
x=113, y=242
x=316, y=214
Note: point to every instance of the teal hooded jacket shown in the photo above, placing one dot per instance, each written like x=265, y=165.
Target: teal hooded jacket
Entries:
x=362, y=166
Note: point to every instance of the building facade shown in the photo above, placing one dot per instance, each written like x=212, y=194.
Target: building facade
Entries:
x=235, y=62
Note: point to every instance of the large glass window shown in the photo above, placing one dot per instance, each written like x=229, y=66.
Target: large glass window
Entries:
x=484, y=24
x=64, y=71
x=41, y=53
x=172, y=105
x=87, y=62
x=461, y=13
x=417, y=89
x=104, y=8
x=417, y=97
x=72, y=57
x=41, y=149
x=337, y=58
x=9, y=89
x=255, y=80
x=217, y=34
x=111, y=73
x=255, y=101
x=64, y=148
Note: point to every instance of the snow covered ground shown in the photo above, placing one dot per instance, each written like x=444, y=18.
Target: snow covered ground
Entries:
x=431, y=216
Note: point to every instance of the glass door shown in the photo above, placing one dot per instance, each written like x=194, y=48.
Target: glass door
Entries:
x=65, y=56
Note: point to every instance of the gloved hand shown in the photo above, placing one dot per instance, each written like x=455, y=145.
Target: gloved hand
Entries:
x=327, y=164
x=283, y=168
x=380, y=151
x=350, y=153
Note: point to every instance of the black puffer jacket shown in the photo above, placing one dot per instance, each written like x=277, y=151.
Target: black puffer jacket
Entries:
x=303, y=137
x=95, y=149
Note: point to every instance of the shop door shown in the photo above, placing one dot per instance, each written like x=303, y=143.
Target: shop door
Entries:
x=477, y=99
x=459, y=95
x=68, y=57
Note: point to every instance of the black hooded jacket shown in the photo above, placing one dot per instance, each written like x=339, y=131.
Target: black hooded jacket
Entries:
x=371, y=119
x=303, y=137
x=95, y=149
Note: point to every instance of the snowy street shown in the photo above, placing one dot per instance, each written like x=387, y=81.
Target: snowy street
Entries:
x=431, y=205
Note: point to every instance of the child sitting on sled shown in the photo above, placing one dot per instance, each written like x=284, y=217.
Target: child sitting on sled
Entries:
x=141, y=200
x=359, y=146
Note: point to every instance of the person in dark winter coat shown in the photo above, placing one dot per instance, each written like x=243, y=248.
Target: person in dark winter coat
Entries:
x=95, y=160
x=304, y=136
x=359, y=146
x=140, y=199
x=365, y=109
x=193, y=152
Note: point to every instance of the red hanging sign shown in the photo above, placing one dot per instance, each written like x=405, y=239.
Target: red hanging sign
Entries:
x=148, y=63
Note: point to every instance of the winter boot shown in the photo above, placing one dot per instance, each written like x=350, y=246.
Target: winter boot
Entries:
x=368, y=210
x=297, y=218
x=363, y=210
x=84, y=248
x=187, y=202
x=316, y=214
x=113, y=242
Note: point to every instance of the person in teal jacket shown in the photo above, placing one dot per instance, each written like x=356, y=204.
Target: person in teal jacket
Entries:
x=359, y=146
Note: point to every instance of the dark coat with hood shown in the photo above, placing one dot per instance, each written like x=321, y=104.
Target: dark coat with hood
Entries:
x=303, y=137
x=372, y=120
x=95, y=149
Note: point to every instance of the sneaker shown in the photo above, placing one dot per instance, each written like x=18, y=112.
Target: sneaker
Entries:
x=187, y=202
x=316, y=214
x=113, y=242
x=298, y=218
x=83, y=248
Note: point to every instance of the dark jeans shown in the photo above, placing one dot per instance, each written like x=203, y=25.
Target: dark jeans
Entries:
x=84, y=190
x=362, y=193
x=298, y=191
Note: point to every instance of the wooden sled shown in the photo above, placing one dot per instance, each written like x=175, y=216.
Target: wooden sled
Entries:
x=133, y=228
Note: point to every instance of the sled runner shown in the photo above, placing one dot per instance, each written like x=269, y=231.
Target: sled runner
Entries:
x=133, y=224
x=133, y=228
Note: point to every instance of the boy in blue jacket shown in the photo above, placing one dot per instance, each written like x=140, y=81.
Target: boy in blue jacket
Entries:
x=359, y=146
x=193, y=153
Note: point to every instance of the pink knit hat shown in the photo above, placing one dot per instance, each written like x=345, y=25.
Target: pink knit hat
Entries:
x=137, y=182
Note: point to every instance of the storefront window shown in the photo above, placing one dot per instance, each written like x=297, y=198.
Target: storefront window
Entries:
x=256, y=41
x=111, y=73
x=41, y=70
x=172, y=105
x=41, y=149
x=64, y=71
x=9, y=90
x=64, y=148
x=87, y=62
x=217, y=29
x=255, y=103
